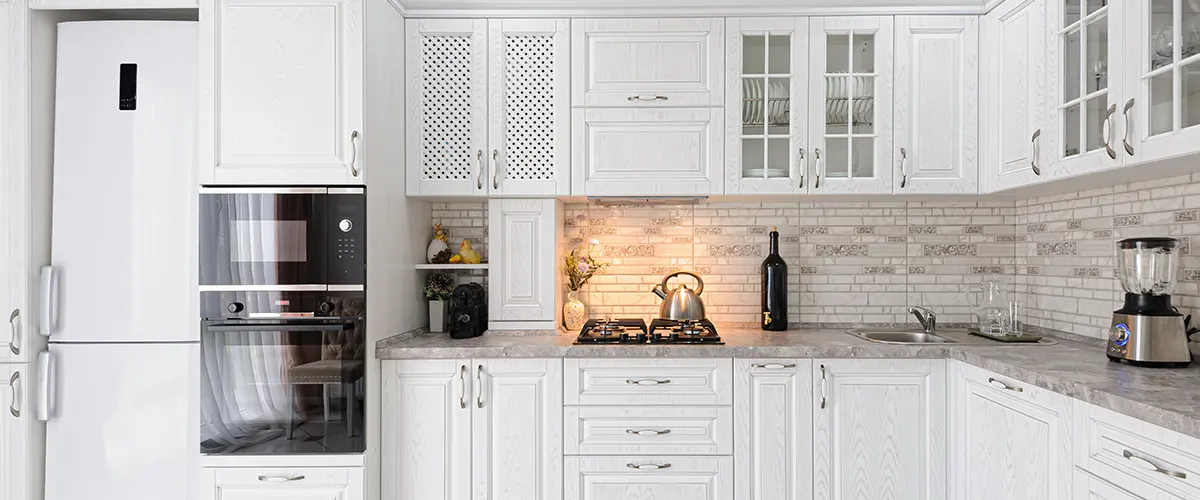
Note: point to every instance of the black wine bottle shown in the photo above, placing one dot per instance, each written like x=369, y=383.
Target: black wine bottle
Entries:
x=774, y=288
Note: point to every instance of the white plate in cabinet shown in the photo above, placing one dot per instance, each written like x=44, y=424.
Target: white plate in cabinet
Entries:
x=647, y=62
x=669, y=151
x=1110, y=443
x=773, y=435
x=642, y=477
x=284, y=100
x=282, y=483
x=642, y=430
x=648, y=381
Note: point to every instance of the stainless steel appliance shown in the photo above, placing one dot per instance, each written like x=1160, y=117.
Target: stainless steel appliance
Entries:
x=308, y=238
x=1147, y=330
x=660, y=331
x=680, y=303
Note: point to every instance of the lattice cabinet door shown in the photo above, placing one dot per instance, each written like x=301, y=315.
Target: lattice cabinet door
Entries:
x=446, y=63
x=528, y=106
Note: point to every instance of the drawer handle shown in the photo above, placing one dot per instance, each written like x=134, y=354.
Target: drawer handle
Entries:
x=773, y=366
x=647, y=432
x=1004, y=386
x=1151, y=466
x=647, y=381
x=280, y=479
x=647, y=98
x=648, y=466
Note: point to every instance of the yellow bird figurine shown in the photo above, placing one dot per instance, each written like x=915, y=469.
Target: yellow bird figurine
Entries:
x=469, y=255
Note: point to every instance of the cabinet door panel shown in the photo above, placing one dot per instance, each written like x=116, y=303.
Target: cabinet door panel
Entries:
x=282, y=484
x=517, y=430
x=1161, y=110
x=881, y=432
x=523, y=286
x=446, y=64
x=1014, y=89
x=937, y=112
x=649, y=478
x=15, y=336
x=772, y=442
x=288, y=92
x=20, y=475
x=426, y=428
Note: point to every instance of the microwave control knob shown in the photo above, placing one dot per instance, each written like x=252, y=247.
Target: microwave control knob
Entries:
x=235, y=307
x=325, y=307
x=345, y=225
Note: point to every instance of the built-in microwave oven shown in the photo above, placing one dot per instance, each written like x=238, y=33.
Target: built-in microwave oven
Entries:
x=303, y=238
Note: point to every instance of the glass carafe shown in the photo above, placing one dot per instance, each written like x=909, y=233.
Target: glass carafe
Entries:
x=991, y=306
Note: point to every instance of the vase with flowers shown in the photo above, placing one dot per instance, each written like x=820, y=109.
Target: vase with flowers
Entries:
x=438, y=288
x=579, y=270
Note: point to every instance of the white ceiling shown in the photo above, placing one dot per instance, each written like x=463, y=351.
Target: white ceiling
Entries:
x=682, y=8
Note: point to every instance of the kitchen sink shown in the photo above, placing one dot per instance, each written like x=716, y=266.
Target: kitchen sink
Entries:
x=896, y=336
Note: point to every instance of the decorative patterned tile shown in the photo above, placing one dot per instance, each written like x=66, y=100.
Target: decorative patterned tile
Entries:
x=897, y=239
x=807, y=269
x=652, y=230
x=841, y=250
x=1187, y=216
x=790, y=239
x=681, y=239
x=575, y=241
x=922, y=229
x=1102, y=233
x=597, y=222
x=972, y=229
x=864, y=230
x=879, y=269
x=1011, y=238
x=1033, y=270
x=1185, y=245
x=807, y=230
x=987, y=269
x=734, y=250
x=1086, y=272
x=1074, y=224
x=753, y=230
x=628, y=250
x=916, y=269
x=666, y=221
x=1036, y=228
x=602, y=230
x=1191, y=275
x=1064, y=248
x=1127, y=220
x=706, y=230
x=965, y=249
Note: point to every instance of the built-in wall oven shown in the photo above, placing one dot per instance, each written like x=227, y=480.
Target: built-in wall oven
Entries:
x=283, y=313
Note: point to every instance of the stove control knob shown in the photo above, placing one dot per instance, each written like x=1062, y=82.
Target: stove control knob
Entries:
x=235, y=307
x=1119, y=334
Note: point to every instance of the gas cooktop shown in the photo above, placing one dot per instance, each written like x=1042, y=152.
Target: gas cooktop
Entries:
x=660, y=331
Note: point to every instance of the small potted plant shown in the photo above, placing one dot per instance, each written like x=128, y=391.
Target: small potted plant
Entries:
x=438, y=288
x=579, y=270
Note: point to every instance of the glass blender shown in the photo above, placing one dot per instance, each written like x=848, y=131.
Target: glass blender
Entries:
x=1147, y=330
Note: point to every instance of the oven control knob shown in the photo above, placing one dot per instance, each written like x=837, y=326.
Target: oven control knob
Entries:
x=1119, y=335
x=325, y=307
x=345, y=225
x=235, y=307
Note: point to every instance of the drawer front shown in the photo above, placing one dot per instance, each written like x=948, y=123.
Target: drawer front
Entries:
x=648, y=62
x=663, y=477
x=1157, y=456
x=649, y=381
x=642, y=430
x=282, y=476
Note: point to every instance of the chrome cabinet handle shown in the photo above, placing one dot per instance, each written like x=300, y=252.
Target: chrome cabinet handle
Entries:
x=647, y=432
x=280, y=479
x=495, y=169
x=823, y=381
x=803, y=167
x=1033, y=146
x=647, y=381
x=903, y=172
x=353, y=153
x=773, y=366
x=820, y=164
x=12, y=326
x=1150, y=465
x=462, y=394
x=1112, y=153
x=479, y=381
x=12, y=388
x=648, y=466
x=647, y=98
x=479, y=177
x=1128, y=125
x=1002, y=385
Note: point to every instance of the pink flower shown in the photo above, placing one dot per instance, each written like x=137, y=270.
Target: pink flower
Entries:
x=583, y=267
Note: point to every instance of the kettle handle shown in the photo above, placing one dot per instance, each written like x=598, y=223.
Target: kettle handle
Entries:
x=699, y=282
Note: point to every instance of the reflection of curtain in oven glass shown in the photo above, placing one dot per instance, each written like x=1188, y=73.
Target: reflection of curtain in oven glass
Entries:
x=243, y=400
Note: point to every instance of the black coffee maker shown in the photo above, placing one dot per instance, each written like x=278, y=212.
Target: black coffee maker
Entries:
x=468, y=311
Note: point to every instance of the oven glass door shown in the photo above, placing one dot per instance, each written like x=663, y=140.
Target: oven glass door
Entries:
x=263, y=237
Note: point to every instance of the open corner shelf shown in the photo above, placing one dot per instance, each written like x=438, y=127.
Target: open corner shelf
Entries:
x=448, y=267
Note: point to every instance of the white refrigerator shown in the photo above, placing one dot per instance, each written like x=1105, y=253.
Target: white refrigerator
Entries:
x=120, y=380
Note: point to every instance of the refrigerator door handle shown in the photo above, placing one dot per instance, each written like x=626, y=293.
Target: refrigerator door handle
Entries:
x=49, y=301
x=45, y=386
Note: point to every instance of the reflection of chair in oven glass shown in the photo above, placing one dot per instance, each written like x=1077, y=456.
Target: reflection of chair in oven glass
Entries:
x=341, y=362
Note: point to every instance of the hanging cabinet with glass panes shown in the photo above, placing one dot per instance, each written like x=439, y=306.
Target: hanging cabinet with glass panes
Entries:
x=1088, y=103
x=765, y=105
x=1162, y=110
x=850, y=122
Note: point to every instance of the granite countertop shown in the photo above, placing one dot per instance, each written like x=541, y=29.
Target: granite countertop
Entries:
x=1168, y=398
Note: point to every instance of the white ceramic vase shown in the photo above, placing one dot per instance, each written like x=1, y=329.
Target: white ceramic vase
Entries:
x=574, y=312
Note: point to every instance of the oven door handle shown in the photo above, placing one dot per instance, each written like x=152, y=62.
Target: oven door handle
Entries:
x=279, y=328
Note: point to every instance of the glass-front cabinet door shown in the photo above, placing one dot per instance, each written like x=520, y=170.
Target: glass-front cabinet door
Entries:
x=851, y=104
x=1086, y=51
x=1163, y=106
x=766, y=87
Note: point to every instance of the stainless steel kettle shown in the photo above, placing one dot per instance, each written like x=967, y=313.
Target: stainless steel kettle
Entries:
x=682, y=303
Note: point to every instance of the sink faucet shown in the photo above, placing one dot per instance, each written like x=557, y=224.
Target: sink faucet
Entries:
x=926, y=317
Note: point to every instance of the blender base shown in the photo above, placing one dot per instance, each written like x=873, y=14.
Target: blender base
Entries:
x=1150, y=364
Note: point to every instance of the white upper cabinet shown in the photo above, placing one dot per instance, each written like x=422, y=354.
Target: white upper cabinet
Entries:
x=522, y=289
x=1014, y=87
x=766, y=87
x=937, y=105
x=284, y=102
x=14, y=189
x=1161, y=109
x=647, y=62
x=1085, y=49
x=446, y=65
x=529, y=107
x=879, y=429
x=851, y=66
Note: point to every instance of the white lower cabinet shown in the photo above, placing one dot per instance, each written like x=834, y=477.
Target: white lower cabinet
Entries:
x=649, y=477
x=1089, y=487
x=773, y=432
x=1011, y=440
x=286, y=483
x=20, y=437
x=487, y=429
x=1148, y=461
